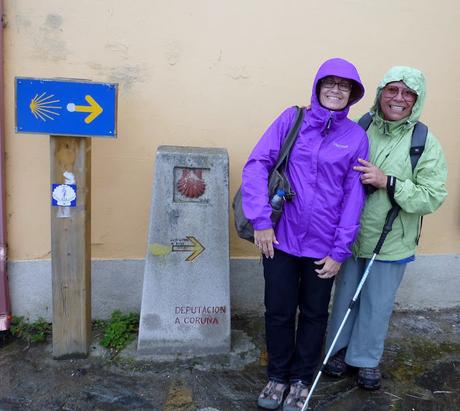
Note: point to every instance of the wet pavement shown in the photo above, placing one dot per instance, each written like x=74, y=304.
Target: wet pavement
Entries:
x=421, y=372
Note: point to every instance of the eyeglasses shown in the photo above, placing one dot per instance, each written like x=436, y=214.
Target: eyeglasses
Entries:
x=392, y=91
x=344, y=85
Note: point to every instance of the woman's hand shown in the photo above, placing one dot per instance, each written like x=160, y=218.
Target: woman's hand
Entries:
x=264, y=239
x=371, y=174
x=330, y=268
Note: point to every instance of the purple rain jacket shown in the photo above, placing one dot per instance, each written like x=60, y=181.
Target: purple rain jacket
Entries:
x=323, y=217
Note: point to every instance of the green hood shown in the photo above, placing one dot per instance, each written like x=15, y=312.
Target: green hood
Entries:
x=413, y=79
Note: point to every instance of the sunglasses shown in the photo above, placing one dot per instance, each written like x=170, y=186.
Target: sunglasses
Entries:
x=407, y=94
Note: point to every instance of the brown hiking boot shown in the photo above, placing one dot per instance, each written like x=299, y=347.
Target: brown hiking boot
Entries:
x=369, y=378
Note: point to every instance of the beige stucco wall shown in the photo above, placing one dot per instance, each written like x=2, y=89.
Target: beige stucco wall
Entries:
x=209, y=73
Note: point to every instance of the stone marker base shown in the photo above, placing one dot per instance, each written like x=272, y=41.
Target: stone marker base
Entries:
x=186, y=292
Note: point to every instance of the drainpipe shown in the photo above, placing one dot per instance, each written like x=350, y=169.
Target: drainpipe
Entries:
x=5, y=308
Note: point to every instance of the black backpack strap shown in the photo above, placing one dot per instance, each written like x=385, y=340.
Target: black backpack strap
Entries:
x=417, y=144
x=365, y=121
x=419, y=230
x=288, y=143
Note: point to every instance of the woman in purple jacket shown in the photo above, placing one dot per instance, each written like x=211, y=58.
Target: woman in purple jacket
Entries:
x=303, y=253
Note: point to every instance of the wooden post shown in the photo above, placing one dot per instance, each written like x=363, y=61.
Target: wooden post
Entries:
x=70, y=249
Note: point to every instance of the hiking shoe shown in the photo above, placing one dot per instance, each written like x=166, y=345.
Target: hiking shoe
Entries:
x=336, y=366
x=272, y=395
x=296, y=397
x=369, y=378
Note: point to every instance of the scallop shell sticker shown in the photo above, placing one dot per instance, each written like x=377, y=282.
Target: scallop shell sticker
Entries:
x=191, y=183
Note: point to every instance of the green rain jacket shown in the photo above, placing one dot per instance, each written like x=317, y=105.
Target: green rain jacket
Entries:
x=417, y=193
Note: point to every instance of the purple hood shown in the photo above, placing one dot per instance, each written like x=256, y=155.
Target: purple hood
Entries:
x=340, y=68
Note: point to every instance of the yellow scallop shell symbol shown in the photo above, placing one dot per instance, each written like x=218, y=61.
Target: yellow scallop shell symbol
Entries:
x=42, y=107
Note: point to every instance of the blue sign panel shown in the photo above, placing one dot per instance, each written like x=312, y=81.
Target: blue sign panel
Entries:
x=66, y=107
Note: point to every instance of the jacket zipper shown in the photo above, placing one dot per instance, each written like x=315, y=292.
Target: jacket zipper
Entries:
x=328, y=126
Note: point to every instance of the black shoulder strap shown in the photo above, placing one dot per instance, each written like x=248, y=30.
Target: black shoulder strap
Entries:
x=287, y=144
x=417, y=144
x=365, y=121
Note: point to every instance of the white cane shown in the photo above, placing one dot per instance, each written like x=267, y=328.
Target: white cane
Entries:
x=392, y=214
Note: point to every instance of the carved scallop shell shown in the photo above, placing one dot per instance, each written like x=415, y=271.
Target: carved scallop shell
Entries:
x=191, y=183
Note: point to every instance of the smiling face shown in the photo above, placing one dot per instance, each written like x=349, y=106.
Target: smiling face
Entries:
x=396, y=101
x=334, y=92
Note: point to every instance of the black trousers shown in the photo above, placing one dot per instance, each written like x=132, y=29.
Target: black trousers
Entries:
x=291, y=286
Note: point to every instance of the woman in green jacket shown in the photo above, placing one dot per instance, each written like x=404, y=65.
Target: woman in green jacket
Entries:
x=397, y=108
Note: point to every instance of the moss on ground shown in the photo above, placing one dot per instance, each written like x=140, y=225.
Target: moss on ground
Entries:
x=417, y=355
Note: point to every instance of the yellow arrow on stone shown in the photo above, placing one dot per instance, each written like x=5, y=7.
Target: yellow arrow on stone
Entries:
x=197, y=248
x=94, y=109
x=178, y=246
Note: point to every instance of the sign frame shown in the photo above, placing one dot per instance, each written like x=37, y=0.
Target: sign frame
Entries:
x=84, y=107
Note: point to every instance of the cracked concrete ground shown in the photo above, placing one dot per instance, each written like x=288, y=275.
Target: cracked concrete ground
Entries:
x=421, y=371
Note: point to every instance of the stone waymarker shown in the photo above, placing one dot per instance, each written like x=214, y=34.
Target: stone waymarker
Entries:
x=186, y=293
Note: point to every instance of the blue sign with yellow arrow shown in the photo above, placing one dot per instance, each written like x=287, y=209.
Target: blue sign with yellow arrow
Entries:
x=66, y=107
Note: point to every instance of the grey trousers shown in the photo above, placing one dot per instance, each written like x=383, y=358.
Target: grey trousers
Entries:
x=366, y=328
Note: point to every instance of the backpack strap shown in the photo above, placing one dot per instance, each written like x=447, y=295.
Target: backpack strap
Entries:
x=417, y=144
x=419, y=231
x=288, y=143
x=365, y=121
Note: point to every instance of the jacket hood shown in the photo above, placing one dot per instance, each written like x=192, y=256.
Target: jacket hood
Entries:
x=412, y=78
x=340, y=68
